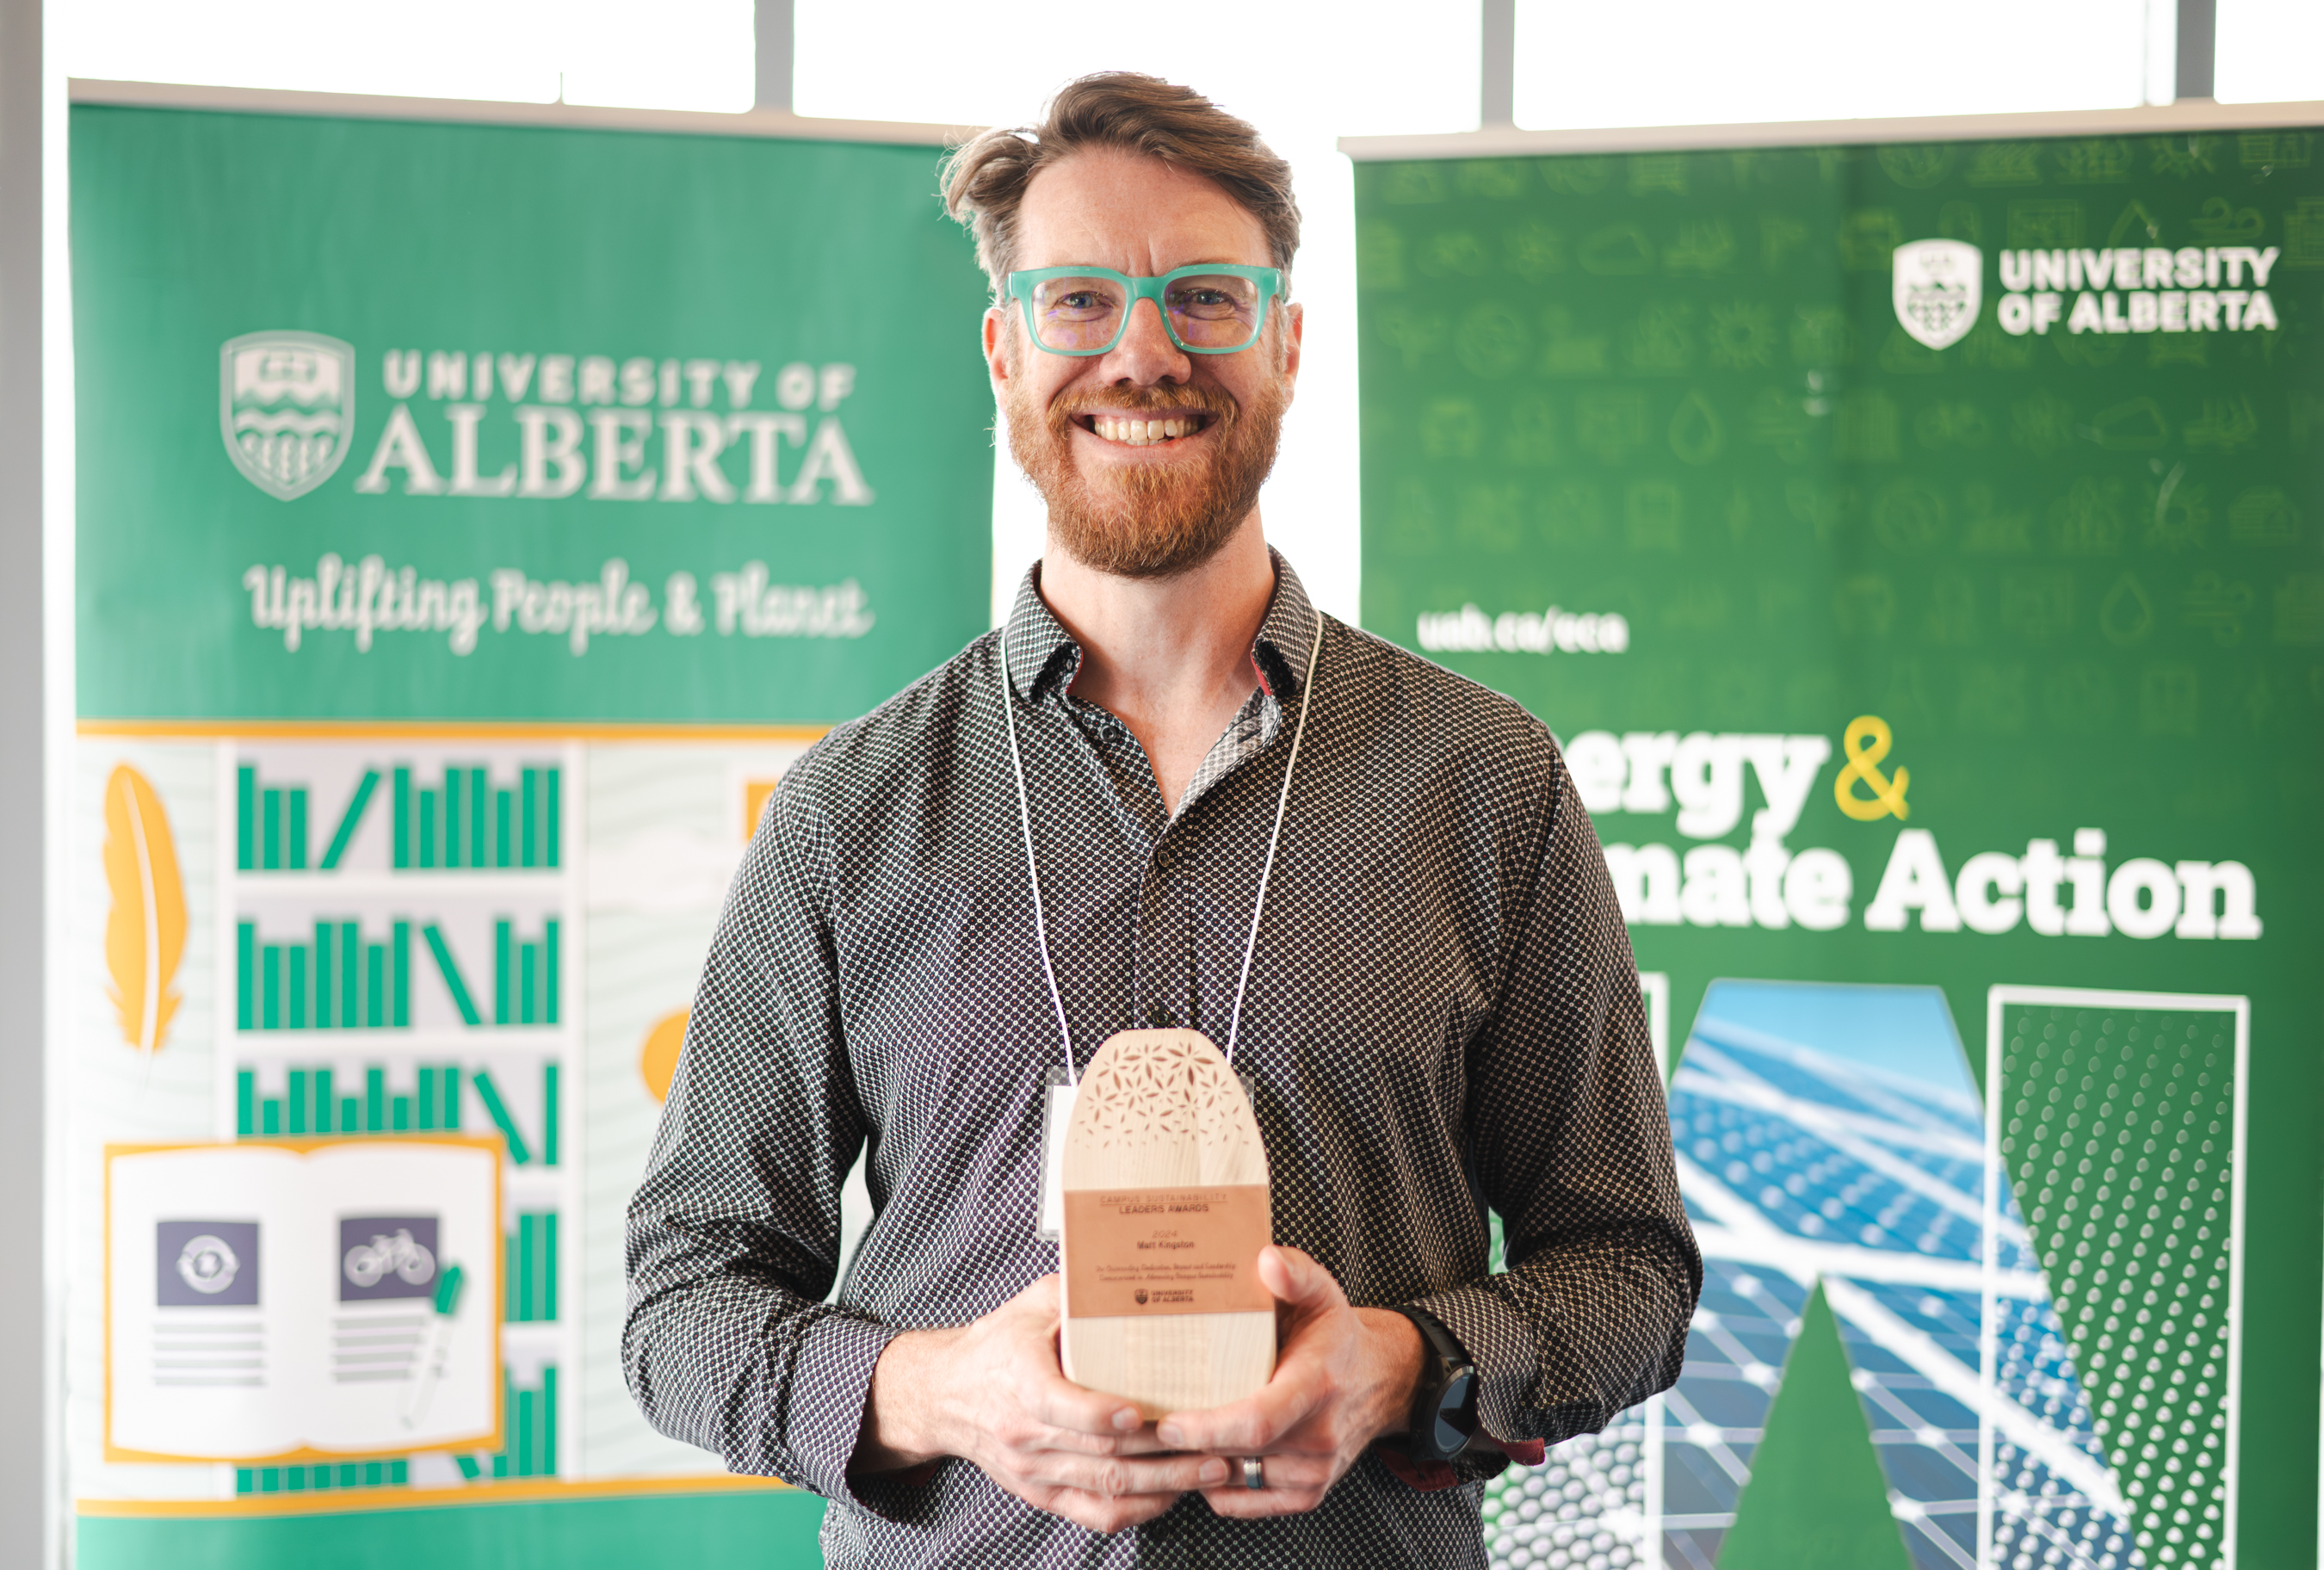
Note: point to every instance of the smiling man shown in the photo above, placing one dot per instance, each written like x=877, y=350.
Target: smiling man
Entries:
x=1065, y=833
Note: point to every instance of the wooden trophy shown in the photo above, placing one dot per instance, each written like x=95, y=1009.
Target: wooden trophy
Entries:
x=1165, y=1210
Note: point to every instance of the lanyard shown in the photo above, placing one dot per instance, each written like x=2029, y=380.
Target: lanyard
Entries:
x=1033, y=865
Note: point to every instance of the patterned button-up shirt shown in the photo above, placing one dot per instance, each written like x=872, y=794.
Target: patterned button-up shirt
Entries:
x=1444, y=1020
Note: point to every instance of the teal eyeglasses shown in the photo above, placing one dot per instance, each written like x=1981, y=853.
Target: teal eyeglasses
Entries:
x=1214, y=307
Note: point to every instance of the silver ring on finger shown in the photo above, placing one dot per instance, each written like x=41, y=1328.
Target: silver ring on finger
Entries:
x=1253, y=1478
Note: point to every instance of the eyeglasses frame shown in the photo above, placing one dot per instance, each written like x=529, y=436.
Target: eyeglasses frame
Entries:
x=1269, y=279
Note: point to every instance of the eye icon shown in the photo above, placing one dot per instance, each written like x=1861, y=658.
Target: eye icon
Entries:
x=206, y=1264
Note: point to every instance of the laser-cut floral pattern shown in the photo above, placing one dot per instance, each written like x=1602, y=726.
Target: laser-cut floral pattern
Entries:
x=1147, y=1086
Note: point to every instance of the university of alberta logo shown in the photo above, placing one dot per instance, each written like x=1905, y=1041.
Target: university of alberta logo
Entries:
x=1939, y=285
x=287, y=406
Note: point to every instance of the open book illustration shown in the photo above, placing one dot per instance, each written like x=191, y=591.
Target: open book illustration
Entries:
x=323, y=1298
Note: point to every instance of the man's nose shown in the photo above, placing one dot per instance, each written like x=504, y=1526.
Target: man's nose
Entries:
x=1146, y=355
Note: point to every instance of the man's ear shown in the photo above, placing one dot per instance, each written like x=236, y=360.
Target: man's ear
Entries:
x=1294, y=319
x=996, y=347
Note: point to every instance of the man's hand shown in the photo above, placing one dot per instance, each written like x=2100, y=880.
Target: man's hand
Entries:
x=1343, y=1376
x=993, y=1394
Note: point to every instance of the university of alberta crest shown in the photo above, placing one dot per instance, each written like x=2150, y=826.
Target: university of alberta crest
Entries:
x=287, y=406
x=1939, y=285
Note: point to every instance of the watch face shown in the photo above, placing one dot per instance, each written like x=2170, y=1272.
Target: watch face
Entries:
x=1452, y=1405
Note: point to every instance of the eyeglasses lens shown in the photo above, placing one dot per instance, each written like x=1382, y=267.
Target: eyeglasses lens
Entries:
x=1206, y=311
x=1214, y=310
x=1077, y=314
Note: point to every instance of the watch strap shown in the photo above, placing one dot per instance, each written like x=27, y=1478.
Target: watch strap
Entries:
x=1433, y=1434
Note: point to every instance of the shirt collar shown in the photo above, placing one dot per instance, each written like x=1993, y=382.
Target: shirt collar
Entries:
x=1043, y=656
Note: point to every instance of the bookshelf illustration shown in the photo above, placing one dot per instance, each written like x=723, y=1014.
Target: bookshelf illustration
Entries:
x=524, y=975
x=461, y=820
x=405, y=960
x=338, y=982
x=323, y=1478
x=531, y=1269
x=468, y=823
x=531, y=1419
x=270, y=825
x=344, y=980
x=350, y=1101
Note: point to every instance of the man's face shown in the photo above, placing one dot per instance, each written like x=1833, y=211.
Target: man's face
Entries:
x=1094, y=432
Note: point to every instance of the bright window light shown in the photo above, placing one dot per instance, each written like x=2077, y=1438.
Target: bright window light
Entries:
x=677, y=54
x=1704, y=62
x=2271, y=51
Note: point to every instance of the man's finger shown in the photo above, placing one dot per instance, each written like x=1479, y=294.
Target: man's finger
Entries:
x=1052, y=1398
x=1126, y=1477
x=1041, y=1292
x=1279, y=1473
x=1291, y=1483
x=1138, y=1442
x=1100, y=1515
x=1244, y=1504
x=1244, y=1427
x=1072, y=1442
x=1293, y=1277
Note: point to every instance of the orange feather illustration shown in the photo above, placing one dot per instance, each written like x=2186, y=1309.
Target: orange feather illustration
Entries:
x=146, y=935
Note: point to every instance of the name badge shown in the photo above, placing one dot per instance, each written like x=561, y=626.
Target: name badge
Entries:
x=1057, y=1112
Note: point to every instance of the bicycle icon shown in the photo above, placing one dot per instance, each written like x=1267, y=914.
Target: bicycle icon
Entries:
x=408, y=1259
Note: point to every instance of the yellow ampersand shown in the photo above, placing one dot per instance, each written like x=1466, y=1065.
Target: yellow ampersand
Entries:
x=1865, y=741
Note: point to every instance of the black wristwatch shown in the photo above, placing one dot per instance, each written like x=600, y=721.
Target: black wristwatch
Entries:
x=1443, y=1399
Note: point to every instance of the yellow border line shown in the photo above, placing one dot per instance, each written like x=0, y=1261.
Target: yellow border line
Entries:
x=350, y=1501
x=334, y=730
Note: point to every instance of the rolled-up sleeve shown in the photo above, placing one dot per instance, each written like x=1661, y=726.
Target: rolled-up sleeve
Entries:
x=733, y=1235
x=1570, y=1137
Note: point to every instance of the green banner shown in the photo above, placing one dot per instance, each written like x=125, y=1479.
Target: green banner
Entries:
x=435, y=420
x=473, y=523
x=1916, y=551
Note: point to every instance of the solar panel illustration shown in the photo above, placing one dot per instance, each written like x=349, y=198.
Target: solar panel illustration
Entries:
x=1833, y=1133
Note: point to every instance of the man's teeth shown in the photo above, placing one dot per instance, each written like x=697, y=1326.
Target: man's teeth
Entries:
x=1142, y=432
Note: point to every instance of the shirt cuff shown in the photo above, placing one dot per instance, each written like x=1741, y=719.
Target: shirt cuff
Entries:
x=1500, y=1346
x=830, y=1390
x=1435, y=1476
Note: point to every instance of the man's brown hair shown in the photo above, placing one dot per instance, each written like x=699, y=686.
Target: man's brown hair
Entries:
x=985, y=179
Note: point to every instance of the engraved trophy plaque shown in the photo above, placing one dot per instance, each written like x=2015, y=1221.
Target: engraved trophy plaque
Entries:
x=1166, y=1211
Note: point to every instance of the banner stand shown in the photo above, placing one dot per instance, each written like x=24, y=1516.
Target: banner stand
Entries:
x=476, y=508
x=1910, y=529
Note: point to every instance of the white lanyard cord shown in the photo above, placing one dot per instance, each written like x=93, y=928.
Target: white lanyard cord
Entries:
x=1033, y=865
x=1267, y=868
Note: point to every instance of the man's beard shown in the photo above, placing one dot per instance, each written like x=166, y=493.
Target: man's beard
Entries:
x=1148, y=521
